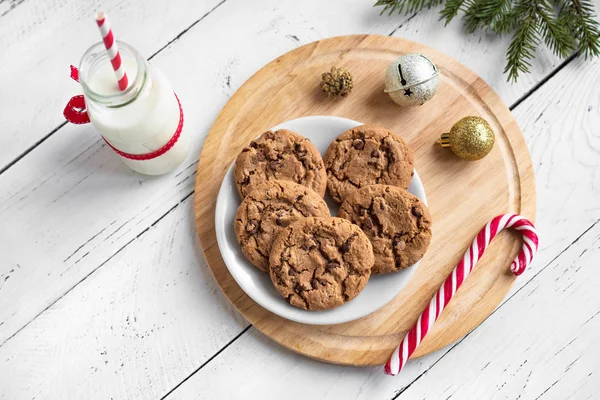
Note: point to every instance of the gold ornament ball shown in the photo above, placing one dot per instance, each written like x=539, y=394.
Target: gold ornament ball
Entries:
x=471, y=138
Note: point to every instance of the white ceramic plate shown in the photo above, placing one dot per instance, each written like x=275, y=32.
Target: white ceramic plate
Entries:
x=321, y=130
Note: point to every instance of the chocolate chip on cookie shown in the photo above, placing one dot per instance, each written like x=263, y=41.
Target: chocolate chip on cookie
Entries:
x=397, y=223
x=267, y=210
x=329, y=262
x=367, y=155
x=280, y=155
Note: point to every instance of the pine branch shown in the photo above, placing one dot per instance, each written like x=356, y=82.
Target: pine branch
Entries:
x=586, y=28
x=450, y=10
x=565, y=26
x=506, y=22
x=526, y=38
x=484, y=14
x=556, y=36
x=406, y=6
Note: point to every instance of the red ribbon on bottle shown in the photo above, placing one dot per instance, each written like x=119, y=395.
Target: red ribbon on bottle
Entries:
x=75, y=112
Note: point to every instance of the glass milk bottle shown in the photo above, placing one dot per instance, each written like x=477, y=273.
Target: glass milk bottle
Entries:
x=143, y=123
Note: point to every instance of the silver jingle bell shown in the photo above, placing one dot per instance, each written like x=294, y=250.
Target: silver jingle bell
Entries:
x=411, y=80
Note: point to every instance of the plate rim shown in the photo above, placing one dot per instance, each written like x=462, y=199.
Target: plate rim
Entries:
x=330, y=344
x=221, y=235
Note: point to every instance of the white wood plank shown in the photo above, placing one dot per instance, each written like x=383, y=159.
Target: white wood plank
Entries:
x=560, y=121
x=535, y=328
x=46, y=197
x=106, y=188
x=254, y=367
x=133, y=329
x=70, y=204
x=542, y=344
x=39, y=39
x=484, y=53
x=559, y=154
x=7, y=6
x=543, y=339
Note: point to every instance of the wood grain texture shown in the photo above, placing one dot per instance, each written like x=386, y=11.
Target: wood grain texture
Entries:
x=519, y=352
x=483, y=52
x=72, y=183
x=39, y=39
x=562, y=363
x=134, y=329
x=58, y=197
x=536, y=361
x=71, y=204
x=457, y=213
x=566, y=210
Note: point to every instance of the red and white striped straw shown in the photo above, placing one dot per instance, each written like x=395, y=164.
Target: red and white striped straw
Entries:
x=443, y=296
x=112, y=49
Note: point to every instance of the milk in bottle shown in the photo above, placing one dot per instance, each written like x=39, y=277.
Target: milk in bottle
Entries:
x=139, y=122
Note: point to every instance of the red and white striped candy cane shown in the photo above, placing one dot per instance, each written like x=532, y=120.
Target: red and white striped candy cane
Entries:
x=441, y=299
x=112, y=50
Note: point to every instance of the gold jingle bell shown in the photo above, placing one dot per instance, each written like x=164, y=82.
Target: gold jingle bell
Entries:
x=471, y=138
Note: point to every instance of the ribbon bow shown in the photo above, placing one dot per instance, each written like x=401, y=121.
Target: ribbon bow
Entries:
x=75, y=111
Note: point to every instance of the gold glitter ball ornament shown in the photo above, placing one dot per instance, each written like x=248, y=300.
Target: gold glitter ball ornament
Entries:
x=471, y=138
x=336, y=82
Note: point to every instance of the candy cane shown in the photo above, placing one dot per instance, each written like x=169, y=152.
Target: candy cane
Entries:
x=441, y=299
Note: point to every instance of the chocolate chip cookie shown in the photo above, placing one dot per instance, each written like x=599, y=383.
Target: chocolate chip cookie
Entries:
x=280, y=155
x=320, y=263
x=267, y=210
x=398, y=224
x=367, y=155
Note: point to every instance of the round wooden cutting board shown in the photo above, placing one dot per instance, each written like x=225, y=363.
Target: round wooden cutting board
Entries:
x=463, y=196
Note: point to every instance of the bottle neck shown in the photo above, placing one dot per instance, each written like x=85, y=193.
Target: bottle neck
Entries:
x=99, y=82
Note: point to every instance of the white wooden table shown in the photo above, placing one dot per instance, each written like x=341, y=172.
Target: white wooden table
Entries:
x=105, y=294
